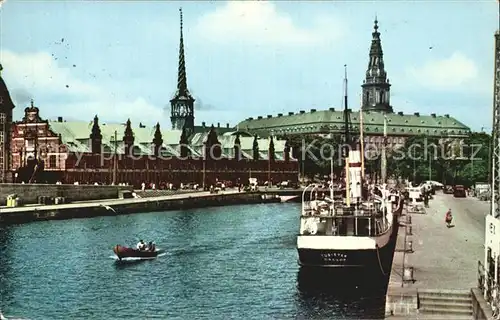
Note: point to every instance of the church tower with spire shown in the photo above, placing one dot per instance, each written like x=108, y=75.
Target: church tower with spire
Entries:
x=182, y=104
x=376, y=87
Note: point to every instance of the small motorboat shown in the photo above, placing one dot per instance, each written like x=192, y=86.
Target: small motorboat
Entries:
x=125, y=252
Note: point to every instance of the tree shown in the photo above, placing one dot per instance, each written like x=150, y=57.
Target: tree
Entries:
x=476, y=159
x=447, y=160
x=314, y=153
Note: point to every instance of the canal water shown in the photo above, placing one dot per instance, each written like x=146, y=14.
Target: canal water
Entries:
x=220, y=263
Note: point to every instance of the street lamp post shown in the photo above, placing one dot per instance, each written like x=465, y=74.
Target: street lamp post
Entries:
x=430, y=168
x=115, y=164
x=269, y=163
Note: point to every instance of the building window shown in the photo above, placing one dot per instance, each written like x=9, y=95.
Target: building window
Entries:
x=52, y=161
x=2, y=119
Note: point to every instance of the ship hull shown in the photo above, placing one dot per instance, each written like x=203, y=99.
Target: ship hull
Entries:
x=374, y=259
x=378, y=260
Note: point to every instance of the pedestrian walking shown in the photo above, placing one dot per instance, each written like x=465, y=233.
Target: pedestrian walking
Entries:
x=448, y=218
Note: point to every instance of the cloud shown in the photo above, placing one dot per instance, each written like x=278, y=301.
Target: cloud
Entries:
x=39, y=70
x=259, y=23
x=21, y=96
x=138, y=110
x=39, y=76
x=451, y=73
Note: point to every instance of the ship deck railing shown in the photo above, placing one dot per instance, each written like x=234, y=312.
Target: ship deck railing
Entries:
x=346, y=225
x=322, y=211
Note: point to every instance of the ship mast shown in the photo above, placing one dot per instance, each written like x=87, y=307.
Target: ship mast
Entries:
x=383, y=162
x=361, y=138
x=347, y=144
x=346, y=115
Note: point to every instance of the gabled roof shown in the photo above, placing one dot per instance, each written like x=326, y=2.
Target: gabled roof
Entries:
x=80, y=130
x=326, y=121
x=76, y=136
x=218, y=128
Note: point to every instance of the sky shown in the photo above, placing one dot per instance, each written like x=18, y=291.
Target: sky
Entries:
x=118, y=59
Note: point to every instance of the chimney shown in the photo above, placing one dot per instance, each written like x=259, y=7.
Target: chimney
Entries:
x=447, y=115
x=302, y=111
x=400, y=113
x=218, y=124
x=203, y=124
x=433, y=115
x=269, y=116
x=349, y=110
x=59, y=119
x=313, y=110
x=290, y=113
x=280, y=114
x=417, y=114
x=250, y=118
x=259, y=117
x=227, y=125
x=332, y=109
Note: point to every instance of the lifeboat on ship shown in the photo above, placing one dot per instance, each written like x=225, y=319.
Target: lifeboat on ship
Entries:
x=126, y=252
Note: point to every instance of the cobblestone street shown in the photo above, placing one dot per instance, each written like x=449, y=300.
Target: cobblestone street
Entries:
x=444, y=258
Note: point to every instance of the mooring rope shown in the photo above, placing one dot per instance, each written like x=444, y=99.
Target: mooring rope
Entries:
x=380, y=262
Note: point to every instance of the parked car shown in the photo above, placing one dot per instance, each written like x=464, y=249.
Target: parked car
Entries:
x=485, y=196
x=288, y=184
x=459, y=191
x=448, y=189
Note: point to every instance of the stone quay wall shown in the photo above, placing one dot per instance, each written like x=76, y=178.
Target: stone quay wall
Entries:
x=127, y=206
x=29, y=193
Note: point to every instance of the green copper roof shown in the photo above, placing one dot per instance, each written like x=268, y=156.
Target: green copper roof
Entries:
x=76, y=136
x=327, y=121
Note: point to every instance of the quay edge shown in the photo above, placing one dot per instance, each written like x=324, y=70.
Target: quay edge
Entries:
x=112, y=207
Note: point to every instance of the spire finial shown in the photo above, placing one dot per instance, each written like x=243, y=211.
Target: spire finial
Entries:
x=32, y=103
x=180, y=13
x=182, y=90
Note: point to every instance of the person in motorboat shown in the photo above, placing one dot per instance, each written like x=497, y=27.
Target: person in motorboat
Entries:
x=151, y=246
x=141, y=245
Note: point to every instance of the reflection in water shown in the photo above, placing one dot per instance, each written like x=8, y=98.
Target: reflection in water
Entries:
x=6, y=280
x=342, y=293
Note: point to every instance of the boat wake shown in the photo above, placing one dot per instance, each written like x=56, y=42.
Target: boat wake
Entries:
x=2, y=317
x=137, y=258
